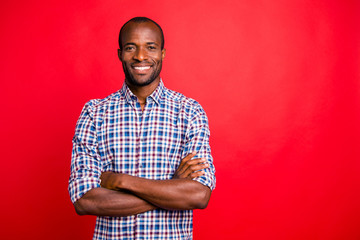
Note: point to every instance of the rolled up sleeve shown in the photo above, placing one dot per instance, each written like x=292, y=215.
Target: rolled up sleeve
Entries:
x=197, y=139
x=85, y=161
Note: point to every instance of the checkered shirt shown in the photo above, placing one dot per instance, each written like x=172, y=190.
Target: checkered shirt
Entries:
x=114, y=134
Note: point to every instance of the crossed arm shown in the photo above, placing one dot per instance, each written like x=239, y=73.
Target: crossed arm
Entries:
x=124, y=195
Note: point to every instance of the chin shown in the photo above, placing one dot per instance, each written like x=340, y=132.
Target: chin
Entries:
x=141, y=83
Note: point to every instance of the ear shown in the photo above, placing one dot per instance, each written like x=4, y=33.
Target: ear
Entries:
x=119, y=54
x=163, y=53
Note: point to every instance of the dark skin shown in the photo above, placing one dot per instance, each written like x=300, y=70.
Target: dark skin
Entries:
x=122, y=194
x=141, y=49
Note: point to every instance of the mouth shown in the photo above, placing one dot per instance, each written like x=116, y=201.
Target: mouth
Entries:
x=142, y=68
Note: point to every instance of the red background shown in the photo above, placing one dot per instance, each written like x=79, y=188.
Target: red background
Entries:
x=278, y=79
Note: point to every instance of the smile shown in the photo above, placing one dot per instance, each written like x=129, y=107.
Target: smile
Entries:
x=142, y=68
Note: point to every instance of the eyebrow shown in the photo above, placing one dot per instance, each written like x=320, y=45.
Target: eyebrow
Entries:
x=130, y=43
x=148, y=43
x=152, y=43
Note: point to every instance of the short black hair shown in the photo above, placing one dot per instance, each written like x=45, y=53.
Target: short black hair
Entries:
x=141, y=20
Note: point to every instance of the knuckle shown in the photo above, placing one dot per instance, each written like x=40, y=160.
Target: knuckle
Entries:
x=193, y=168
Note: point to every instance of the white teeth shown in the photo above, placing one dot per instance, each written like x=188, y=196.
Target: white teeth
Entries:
x=142, y=68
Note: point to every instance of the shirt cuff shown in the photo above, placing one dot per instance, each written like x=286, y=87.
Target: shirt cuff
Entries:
x=78, y=187
x=207, y=181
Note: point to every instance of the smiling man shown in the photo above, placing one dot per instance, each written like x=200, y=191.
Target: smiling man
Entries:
x=141, y=158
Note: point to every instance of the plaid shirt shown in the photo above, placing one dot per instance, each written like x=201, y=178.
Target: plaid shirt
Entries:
x=114, y=134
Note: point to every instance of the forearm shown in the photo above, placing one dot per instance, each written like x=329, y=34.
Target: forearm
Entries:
x=105, y=202
x=168, y=194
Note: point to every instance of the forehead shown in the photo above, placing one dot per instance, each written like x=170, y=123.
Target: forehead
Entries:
x=141, y=32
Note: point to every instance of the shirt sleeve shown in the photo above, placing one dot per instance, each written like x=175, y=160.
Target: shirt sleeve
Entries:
x=85, y=160
x=197, y=139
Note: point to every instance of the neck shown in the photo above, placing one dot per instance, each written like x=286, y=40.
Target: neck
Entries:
x=142, y=92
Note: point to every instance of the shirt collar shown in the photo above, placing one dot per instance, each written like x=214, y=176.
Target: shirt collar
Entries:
x=155, y=95
x=158, y=92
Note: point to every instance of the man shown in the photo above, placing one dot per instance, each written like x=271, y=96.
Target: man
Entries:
x=141, y=159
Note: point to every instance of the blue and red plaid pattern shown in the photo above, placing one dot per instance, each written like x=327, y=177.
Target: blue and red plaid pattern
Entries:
x=114, y=134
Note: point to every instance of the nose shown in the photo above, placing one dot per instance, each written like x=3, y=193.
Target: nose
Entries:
x=140, y=54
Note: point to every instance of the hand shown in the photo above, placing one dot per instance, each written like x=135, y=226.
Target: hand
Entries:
x=190, y=168
x=110, y=180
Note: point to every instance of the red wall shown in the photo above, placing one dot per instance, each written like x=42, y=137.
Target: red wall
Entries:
x=279, y=80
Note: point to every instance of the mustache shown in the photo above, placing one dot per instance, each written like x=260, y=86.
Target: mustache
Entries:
x=142, y=62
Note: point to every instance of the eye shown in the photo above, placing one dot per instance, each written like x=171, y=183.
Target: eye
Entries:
x=129, y=48
x=152, y=47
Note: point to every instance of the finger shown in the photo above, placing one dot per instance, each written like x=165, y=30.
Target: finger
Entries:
x=191, y=166
x=191, y=163
x=198, y=167
x=195, y=161
x=196, y=174
x=194, y=168
x=188, y=157
x=185, y=160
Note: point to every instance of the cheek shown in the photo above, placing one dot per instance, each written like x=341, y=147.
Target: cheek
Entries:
x=126, y=57
x=158, y=60
x=156, y=56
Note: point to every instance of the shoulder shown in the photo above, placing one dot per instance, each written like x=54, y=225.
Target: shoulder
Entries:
x=173, y=97
x=187, y=107
x=95, y=107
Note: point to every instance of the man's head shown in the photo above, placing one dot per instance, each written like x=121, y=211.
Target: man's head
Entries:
x=141, y=20
x=141, y=52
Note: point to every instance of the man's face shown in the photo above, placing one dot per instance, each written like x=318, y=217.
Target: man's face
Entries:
x=141, y=53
